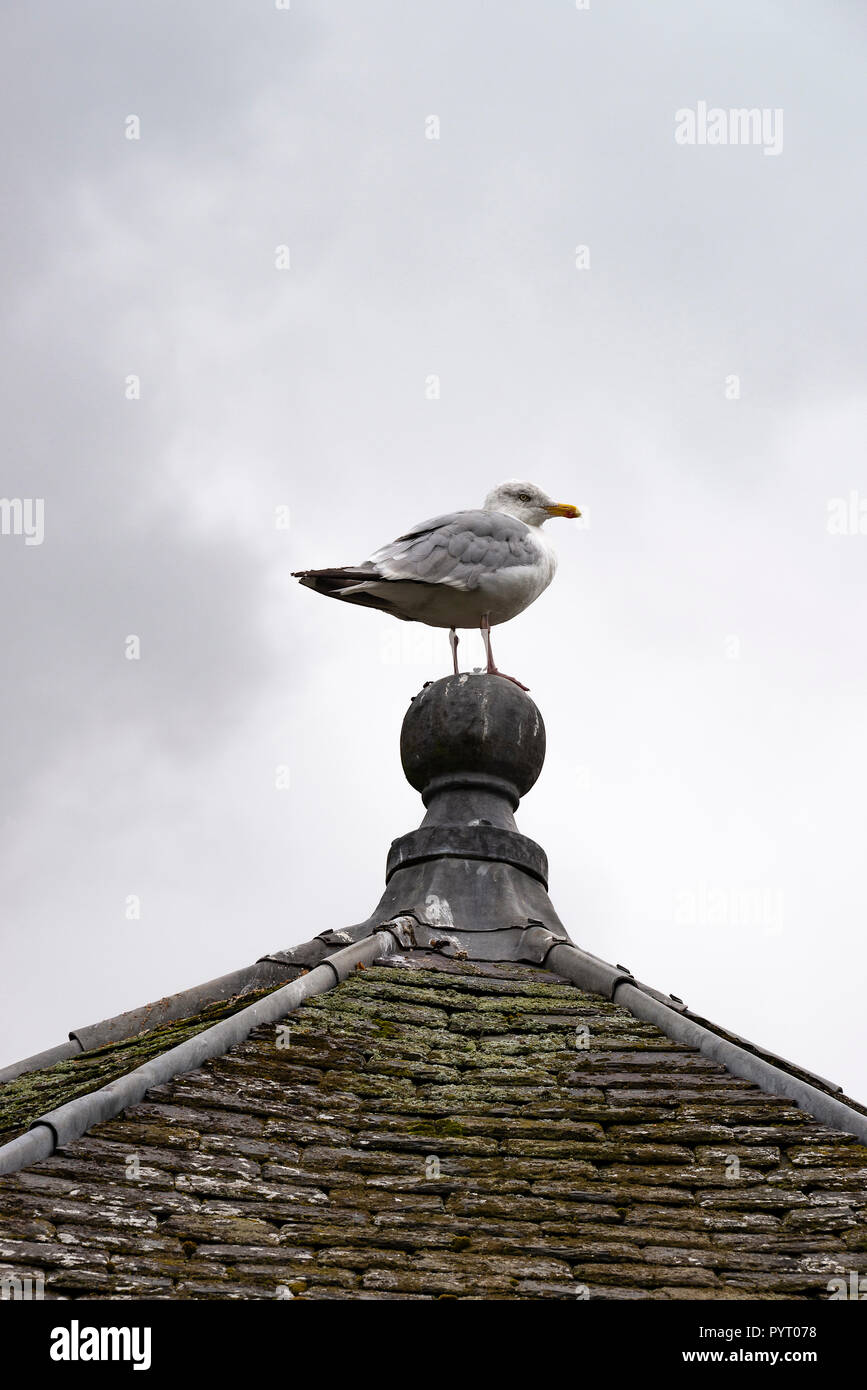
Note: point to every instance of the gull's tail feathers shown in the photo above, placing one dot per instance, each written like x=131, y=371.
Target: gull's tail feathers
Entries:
x=350, y=585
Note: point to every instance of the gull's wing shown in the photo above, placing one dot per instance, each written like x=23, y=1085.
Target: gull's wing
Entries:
x=458, y=549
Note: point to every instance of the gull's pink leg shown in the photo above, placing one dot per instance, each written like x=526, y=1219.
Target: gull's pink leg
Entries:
x=453, y=643
x=492, y=670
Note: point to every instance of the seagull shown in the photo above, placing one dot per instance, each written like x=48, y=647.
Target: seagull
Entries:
x=472, y=569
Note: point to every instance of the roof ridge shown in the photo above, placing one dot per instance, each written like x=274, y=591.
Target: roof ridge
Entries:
x=269, y=970
x=68, y=1122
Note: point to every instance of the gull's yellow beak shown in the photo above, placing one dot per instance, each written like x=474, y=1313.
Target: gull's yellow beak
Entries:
x=563, y=509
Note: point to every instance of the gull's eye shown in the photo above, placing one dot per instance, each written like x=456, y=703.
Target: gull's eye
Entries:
x=523, y=497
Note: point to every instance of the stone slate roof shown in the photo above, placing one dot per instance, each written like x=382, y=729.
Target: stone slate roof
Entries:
x=435, y=1128
x=36, y=1092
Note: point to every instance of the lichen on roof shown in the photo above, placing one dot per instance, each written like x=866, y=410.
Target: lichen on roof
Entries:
x=461, y=1132
x=35, y=1093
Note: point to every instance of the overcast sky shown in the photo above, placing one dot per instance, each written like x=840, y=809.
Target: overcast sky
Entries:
x=693, y=381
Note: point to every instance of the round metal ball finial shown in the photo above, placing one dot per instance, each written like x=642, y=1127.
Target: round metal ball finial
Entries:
x=472, y=730
x=473, y=745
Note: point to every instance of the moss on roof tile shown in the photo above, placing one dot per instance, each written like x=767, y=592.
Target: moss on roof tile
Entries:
x=398, y=1147
x=35, y=1093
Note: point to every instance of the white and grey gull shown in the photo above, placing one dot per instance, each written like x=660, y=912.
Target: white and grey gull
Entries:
x=461, y=570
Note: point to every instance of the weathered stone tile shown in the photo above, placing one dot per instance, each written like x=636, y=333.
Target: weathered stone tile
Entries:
x=643, y=1275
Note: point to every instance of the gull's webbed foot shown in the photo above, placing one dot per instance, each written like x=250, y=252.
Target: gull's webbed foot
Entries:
x=503, y=676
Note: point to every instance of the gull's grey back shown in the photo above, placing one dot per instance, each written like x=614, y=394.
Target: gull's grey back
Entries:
x=459, y=548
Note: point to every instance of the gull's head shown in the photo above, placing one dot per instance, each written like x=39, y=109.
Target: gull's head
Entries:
x=526, y=502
